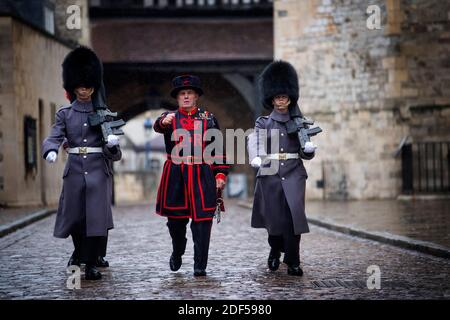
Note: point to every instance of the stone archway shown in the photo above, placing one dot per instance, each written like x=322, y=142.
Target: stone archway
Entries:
x=133, y=92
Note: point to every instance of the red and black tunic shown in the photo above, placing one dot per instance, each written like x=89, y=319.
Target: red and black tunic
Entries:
x=188, y=183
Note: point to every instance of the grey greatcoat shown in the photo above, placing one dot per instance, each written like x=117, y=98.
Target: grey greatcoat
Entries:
x=86, y=195
x=281, y=195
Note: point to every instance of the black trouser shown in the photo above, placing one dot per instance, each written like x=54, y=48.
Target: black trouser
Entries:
x=201, y=234
x=289, y=244
x=103, y=245
x=286, y=240
x=88, y=249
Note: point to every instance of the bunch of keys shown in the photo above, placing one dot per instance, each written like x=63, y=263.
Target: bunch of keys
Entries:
x=219, y=206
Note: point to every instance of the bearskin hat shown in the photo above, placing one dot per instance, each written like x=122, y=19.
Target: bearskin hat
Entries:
x=81, y=67
x=279, y=77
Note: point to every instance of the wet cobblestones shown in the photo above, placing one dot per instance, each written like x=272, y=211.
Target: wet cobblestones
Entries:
x=335, y=265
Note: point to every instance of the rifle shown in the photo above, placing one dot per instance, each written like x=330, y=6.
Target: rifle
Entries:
x=103, y=116
x=108, y=126
x=300, y=125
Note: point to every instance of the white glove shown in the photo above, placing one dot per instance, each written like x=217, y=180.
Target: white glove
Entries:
x=51, y=157
x=113, y=140
x=256, y=162
x=309, y=147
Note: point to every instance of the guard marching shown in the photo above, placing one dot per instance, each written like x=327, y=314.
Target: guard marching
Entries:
x=190, y=179
x=279, y=200
x=84, y=210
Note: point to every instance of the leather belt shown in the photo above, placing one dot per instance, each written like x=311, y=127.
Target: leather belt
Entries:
x=84, y=150
x=186, y=159
x=282, y=156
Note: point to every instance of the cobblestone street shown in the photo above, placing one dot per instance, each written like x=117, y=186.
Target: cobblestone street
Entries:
x=33, y=264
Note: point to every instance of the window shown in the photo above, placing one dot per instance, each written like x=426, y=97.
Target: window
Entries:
x=49, y=20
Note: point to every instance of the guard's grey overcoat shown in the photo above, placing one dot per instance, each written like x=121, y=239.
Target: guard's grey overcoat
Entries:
x=282, y=193
x=87, y=178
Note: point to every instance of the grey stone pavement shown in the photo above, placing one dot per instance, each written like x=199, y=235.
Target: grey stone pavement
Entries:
x=10, y=215
x=421, y=225
x=33, y=264
x=423, y=220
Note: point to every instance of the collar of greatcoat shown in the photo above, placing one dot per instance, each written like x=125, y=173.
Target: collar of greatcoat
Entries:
x=82, y=106
x=280, y=117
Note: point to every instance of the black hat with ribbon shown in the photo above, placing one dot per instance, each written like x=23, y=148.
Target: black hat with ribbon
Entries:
x=186, y=82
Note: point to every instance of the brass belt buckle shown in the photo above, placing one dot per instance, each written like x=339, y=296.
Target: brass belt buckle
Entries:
x=82, y=150
x=282, y=156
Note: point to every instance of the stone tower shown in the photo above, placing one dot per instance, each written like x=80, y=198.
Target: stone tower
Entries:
x=372, y=88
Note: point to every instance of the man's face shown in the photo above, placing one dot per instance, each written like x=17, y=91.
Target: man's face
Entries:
x=187, y=98
x=84, y=94
x=281, y=103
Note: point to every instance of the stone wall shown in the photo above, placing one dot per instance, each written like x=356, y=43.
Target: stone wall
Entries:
x=7, y=114
x=367, y=89
x=30, y=64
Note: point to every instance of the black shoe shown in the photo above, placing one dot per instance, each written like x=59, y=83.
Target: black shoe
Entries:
x=175, y=262
x=199, y=273
x=273, y=261
x=74, y=261
x=295, y=271
x=102, y=263
x=91, y=273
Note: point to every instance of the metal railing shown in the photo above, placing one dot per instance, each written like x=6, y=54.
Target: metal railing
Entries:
x=425, y=167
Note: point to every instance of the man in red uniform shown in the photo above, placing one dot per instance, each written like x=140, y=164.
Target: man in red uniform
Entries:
x=189, y=182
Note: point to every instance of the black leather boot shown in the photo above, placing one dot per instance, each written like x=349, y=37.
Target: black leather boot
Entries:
x=102, y=263
x=273, y=262
x=91, y=273
x=175, y=262
x=74, y=261
x=295, y=271
x=199, y=273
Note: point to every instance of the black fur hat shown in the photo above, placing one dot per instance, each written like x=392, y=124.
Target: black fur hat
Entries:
x=81, y=67
x=279, y=77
